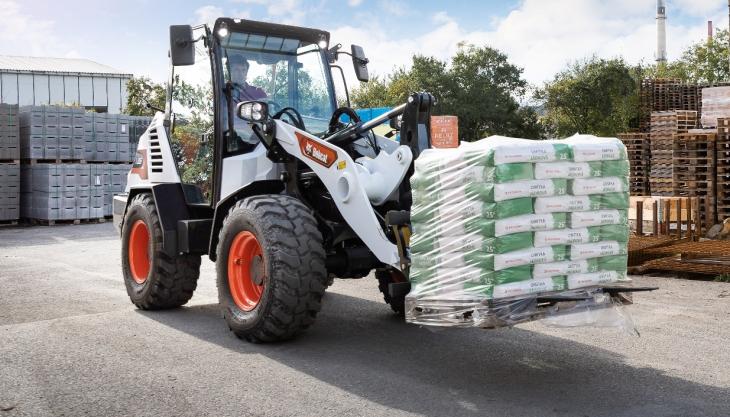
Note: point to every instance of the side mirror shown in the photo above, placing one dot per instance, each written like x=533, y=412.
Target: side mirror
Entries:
x=252, y=111
x=360, y=63
x=396, y=122
x=182, y=45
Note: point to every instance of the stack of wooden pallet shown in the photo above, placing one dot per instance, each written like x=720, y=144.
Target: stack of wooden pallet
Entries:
x=723, y=168
x=664, y=125
x=639, y=154
x=666, y=94
x=694, y=172
x=646, y=106
x=692, y=98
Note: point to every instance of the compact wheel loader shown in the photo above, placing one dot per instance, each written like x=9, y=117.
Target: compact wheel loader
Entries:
x=253, y=163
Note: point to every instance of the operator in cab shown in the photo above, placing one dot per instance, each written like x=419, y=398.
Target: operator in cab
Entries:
x=242, y=90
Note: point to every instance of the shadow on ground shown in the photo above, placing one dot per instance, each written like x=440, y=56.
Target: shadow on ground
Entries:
x=26, y=235
x=356, y=346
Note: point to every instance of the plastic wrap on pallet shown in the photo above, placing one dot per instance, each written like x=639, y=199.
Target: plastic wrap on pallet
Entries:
x=503, y=227
x=715, y=105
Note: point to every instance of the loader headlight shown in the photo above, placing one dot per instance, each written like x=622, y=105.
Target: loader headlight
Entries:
x=223, y=30
x=253, y=111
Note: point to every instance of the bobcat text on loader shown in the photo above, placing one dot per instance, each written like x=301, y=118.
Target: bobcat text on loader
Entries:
x=250, y=164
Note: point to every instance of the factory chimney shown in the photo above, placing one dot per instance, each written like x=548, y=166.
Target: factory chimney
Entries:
x=709, y=31
x=661, y=31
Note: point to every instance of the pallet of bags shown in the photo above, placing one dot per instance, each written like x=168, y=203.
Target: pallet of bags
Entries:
x=502, y=221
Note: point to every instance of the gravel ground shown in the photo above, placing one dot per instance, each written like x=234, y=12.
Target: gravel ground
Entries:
x=71, y=344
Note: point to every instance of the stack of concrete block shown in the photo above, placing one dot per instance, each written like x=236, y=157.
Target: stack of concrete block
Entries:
x=51, y=132
x=137, y=126
x=9, y=191
x=57, y=192
x=9, y=132
x=109, y=180
x=106, y=137
x=70, y=191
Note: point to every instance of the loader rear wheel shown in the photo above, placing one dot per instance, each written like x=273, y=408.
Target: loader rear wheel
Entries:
x=271, y=268
x=385, y=277
x=154, y=280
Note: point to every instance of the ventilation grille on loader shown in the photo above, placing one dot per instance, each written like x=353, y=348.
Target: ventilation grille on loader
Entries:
x=155, y=152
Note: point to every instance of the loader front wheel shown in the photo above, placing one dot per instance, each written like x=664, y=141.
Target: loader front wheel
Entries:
x=270, y=267
x=385, y=277
x=154, y=280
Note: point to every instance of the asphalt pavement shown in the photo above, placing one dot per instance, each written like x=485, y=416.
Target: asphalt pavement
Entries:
x=71, y=344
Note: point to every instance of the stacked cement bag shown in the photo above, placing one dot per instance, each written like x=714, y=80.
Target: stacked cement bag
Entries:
x=508, y=219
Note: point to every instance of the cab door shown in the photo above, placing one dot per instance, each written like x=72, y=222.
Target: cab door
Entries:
x=192, y=130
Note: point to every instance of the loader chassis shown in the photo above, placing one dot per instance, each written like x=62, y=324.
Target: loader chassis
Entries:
x=282, y=204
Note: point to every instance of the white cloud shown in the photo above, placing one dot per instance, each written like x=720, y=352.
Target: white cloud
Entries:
x=21, y=34
x=288, y=12
x=392, y=8
x=540, y=37
x=697, y=8
x=440, y=17
x=208, y=14
x=240, y=14
x=354, y=3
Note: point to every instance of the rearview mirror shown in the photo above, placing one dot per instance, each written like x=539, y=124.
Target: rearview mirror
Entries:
x=252, y=111
x=360, y=63
x=182, y=45
x=396, y=122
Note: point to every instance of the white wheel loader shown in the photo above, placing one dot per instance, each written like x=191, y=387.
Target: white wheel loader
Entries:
x=252, y=164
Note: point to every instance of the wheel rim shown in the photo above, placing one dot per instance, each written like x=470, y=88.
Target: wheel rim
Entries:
x=139, y=256
x=246, y=271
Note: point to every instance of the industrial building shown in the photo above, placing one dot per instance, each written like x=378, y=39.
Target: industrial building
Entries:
x=38, y=81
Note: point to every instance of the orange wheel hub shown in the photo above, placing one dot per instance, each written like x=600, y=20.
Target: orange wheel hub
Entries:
x=246, y=271
x=139, y=251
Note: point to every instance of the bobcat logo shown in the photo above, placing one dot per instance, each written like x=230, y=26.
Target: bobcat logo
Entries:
x=317, y=152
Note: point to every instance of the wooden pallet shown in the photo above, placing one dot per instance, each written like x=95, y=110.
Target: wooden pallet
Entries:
x=44, y=222
x=8, y=223
x=72, y=161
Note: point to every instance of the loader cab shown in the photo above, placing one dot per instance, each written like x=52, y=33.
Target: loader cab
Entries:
x=287, y=71
x=240, y=60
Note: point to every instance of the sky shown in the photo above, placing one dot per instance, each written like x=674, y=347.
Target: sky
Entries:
x=539, y=36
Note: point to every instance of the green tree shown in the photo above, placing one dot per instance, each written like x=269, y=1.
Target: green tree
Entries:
x=310, y=95
x=596, y=96
x=704, y=62
x=479, y=86
x=140, y=91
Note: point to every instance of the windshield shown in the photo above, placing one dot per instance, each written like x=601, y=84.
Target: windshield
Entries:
x=282, y=72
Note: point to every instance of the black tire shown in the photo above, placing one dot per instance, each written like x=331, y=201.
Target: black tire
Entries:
x=293, y=271
x=397, y=304
x=170, y=281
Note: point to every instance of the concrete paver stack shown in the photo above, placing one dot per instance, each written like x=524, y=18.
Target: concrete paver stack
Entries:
x=74, y=161
x=9, y=164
